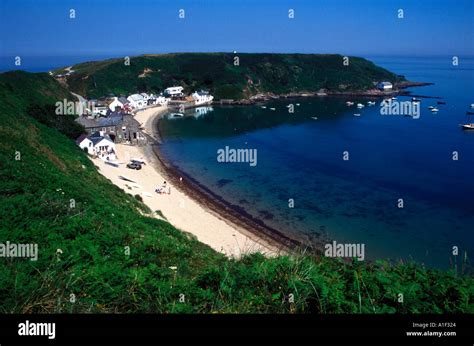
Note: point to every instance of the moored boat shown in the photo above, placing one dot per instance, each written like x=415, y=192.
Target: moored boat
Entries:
x=468, y=125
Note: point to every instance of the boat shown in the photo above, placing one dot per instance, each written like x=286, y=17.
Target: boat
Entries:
x=111, y=163
x=441, y=102
x=297, y=104
x=126, y=179
x=357, y=114
x=468, y=125
x=393, y=98
x=176, y=115
x=273, y=109
x=349, y=103
x=414, y=99
x=263, y=107
x=430, y=107
x=472, y=105
x=470, y=113
x=360, y=105
x=371, y=103
x=314, y=118
x=434, y=109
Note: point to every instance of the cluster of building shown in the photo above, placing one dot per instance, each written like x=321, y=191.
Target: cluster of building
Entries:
x=111, y=120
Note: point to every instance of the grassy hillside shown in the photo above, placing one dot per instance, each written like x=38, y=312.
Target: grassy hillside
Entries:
x=277, y=73
x=92, y=264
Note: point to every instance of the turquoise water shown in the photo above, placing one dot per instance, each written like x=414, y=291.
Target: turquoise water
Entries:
x=354, y=201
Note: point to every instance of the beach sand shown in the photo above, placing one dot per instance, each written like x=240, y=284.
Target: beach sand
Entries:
x=178, y=207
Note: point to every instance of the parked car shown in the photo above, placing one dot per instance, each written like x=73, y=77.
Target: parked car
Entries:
x=133, y=165
x=138, y=162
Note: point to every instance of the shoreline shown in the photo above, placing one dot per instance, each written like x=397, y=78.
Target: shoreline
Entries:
x=236, y=216
x=371, y=93
x=182, y=206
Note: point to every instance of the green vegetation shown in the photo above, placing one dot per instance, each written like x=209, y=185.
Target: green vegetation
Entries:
x=256, y=73
x=93, y=237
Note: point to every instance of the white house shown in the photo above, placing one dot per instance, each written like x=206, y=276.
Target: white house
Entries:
x=99, y=145
x=176, y=91
x=137, y=101
x=99, y=110
x=84, y=142
x=202, y=98
x=145, y=96
x=114, y=104
x=384, y=86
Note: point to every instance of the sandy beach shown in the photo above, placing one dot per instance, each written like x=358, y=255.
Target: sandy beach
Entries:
x=177, y=207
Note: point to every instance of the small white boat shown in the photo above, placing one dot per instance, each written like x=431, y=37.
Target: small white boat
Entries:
x=472, y=105
x=371, y=103
x=357, y=114
x=431, y=107
x=393, y=98
x=434, y=109
x=360, y=105
x=314, y=118
x=297, y=104
x=467, y=126
x=177, y=115
x=349, y=103
x=273, y=109
x=264, y=107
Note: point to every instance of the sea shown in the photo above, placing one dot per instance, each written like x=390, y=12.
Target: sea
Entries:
x=400, y=184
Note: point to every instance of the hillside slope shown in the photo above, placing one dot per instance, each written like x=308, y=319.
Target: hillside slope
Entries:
x=256, y=73
x=84, y=266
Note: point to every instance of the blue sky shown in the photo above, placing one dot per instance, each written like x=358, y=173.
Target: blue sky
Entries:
x=362, y=27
